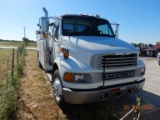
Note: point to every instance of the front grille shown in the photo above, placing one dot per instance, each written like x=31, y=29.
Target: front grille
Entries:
x=109, y=61
x=117, y=75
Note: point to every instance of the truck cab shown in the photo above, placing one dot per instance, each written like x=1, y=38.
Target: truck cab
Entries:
x=158, y=58
x=87, y=60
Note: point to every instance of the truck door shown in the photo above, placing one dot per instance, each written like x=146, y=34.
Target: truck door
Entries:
x=56, y=35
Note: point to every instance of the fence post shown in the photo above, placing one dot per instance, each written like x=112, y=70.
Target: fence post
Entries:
x=17, y=54
x=21, y=50
x=22, y=47
x=7, y=63
x=12, y=63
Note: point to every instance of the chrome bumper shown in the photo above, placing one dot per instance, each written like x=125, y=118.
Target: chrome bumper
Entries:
x=96, y=95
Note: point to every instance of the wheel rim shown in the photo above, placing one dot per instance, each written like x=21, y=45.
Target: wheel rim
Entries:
x=58, y=89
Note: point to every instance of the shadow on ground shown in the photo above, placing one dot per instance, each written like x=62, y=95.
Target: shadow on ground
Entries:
x=114, y=109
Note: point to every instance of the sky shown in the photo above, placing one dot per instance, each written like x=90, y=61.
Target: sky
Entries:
x=139, y=19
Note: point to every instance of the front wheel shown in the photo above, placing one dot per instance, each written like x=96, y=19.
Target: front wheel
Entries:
x=150, y=54
x=57, y=86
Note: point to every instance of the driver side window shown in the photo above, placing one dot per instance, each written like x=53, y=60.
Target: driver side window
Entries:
x=104, y=29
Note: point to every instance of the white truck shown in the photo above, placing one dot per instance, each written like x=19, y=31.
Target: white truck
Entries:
x=87, y=60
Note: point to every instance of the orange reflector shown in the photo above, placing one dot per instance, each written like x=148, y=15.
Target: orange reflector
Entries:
x=45, y=35
x=68, y=77
x=115, y=90
x=66, y=55
x=61, y=49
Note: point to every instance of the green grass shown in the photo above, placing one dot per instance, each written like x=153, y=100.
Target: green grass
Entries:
x=4, y=52
x=6, y=59
x=16, y=44
x=5, y=63
x=8, y=101
x=33, y=45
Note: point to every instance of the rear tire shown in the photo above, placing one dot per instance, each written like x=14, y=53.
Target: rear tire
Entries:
x=40, y=65
x=157, y=53
x=150, y=54
x=57, y=86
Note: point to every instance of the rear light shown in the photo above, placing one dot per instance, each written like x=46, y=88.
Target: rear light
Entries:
x=115, y=90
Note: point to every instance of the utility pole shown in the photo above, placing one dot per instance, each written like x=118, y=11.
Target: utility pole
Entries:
x=24, y=31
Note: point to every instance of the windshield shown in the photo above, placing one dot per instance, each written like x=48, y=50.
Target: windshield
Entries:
x=150, y=45
x=86, y=26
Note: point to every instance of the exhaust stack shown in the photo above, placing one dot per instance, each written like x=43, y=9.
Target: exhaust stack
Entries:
x=45, y=21
x=45, y=12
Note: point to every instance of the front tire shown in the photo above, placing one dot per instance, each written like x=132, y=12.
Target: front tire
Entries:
x=57, y=86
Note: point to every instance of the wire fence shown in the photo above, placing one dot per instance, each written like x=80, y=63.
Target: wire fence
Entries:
x=8, y=64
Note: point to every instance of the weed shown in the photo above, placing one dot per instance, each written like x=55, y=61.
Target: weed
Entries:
x=8, y=103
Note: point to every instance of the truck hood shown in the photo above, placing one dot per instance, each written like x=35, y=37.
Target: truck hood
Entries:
x=99, y=44
x=82, y=48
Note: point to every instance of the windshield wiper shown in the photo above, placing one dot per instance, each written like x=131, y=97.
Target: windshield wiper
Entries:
x=106, y=35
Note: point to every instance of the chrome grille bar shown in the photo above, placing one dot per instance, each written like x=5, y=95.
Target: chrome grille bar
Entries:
x=118, y=60
x=117, y=75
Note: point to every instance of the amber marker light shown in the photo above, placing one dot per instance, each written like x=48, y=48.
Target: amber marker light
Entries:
x=61, y=49
x=68, y=77
x=45, y=35
x=65, y=52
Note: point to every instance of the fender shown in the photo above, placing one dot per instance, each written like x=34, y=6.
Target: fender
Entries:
x=71, y=64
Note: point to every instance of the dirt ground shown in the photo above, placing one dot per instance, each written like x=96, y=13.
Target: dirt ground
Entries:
x=36, y=101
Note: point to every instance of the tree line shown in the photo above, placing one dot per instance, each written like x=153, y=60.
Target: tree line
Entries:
x=137, y=45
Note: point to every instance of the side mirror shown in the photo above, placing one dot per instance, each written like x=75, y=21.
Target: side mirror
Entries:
x=52, y=24
x=116, y=33
x=115, y=29
x=39, y=26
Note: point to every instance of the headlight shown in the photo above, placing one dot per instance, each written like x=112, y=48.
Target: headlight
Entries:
x=79, y=77
x=142, y=71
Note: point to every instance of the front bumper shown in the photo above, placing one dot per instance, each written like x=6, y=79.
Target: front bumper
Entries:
x=96, y=95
